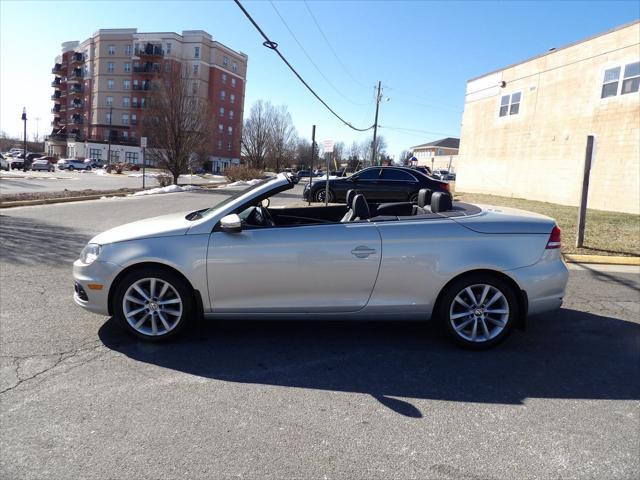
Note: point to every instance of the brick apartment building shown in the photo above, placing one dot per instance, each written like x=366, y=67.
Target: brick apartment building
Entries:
x=102, y=84
x=525, y=126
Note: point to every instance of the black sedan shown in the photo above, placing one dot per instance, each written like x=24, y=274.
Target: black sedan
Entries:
x=377, y=184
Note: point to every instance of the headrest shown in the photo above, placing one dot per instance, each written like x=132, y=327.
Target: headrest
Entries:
x=360, y=207
x=441, y=202
x=424, y=197
x=349, y=200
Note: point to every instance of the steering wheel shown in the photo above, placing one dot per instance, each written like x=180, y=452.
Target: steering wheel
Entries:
x=267, y=219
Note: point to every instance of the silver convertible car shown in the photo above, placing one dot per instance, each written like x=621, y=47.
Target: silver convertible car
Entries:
x=478, y=270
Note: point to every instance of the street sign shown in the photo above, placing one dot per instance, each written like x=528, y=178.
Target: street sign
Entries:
x=327, y=146
x=143, y=142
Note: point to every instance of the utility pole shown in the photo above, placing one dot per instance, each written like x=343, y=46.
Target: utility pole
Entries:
x=24, y=119
x=375, y=125
x=313, y=152
x=582, y=210
x=109, y=137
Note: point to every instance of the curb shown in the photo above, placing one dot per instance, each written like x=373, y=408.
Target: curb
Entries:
x=602, y=259
x=97, y=196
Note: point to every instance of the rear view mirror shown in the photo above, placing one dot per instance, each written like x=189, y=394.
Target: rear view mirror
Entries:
x=231, y=223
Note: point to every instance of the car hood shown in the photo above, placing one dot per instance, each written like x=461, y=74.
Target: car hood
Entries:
x=163, y=226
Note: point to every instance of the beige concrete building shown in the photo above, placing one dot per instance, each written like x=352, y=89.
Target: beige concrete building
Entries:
x=525, y=127
x=438, y=155
x=102, y=84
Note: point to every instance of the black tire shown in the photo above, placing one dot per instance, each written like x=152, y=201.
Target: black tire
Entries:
x=71, y=168
x=183, y=289
x=88, y=169
x=476, y=280
x=319, y=195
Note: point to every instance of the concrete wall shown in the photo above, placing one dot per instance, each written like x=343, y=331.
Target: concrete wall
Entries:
x=539, y=153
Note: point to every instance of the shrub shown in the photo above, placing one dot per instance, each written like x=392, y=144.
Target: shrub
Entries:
x=238, y=173
x=164, y=179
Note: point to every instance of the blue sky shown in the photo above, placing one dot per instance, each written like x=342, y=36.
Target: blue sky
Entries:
x=423, y=52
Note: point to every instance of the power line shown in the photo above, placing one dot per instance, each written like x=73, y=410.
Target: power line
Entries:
x=309, y=57
x=331, y=47
x=401, y=129
x=274, y=46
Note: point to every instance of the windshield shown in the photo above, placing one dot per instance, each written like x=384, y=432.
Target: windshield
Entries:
x=237, y=194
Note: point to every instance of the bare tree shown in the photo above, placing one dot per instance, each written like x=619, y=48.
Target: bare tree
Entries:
x=282, y=138
x=381, y=149
x=303, y=154
x=405, y=156
x=256, y=134
x=177, y=122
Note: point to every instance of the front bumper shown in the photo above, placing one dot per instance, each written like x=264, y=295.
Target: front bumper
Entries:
x=96, y=273
x=544, y=282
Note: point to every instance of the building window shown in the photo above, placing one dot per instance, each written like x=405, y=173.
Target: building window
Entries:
x=229, y=130
x=196, y=52
x=95, y=153
x=127, y=49
x=232, y=98
x=220, y=128
x=231, y=114
x=233, y=82
x=110, y=67
x=631, y=80
x=234, y=67
x=194, y=88
x=131, y=157
x=223, y=95
x=107, y=118
x=111, y=50
x=219, y=144
x=224, y=78
x=510, y=104
x=134, y=119
x=610, y=82
x=110, y=84
x=126, y=102
x=127, y=67
x=229, y=146
x=221, y=111
x=125, y=134
x=196, y=69
x=125, y=119
x=168, y=49
x=109, y=101
x=127, y=84
x=225, y=60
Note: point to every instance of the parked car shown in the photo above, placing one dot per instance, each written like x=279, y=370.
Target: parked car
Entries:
x=377, y=184
x=444, y=175
x=478, y=271
x=14, y=162
x=422, y=168
x=72, y=164
x=50, y=159
x=5, y=162
x=94, y=162
x=41, y=164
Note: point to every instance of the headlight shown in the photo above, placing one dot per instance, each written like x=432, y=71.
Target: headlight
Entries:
x=90, y=253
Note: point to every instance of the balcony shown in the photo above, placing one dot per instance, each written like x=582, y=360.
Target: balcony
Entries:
x=75, y=90
x=148, y=68
x=77, y=57
x=56, y=82
x=58, y=108
x=138, y=105
x=57, y=69
x=150, y=50
x=55, y=122
x=76, y=120
x=76, y=74
x=57, y=96
x=75, y=105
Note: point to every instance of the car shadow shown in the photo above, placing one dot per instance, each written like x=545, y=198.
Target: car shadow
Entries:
x=567, y=354
x=25, y=241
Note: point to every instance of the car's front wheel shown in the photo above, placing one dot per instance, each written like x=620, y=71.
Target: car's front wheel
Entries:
x=153, y=304
x=478, y=311
x=71, y=168
x=321, y=195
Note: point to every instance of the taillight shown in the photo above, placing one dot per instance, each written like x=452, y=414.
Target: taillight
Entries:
x=446, y=187
x=554, y=238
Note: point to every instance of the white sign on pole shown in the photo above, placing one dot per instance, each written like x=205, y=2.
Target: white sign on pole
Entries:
x=143, y=142
x=327, y=146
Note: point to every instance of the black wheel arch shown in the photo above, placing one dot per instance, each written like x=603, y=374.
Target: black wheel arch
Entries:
x=521, y=295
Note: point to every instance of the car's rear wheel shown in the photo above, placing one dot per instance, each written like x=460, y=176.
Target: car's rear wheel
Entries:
x=153, y=304
x=321, y=195
x=88, y=169
x=71, y=167
x=478, y=310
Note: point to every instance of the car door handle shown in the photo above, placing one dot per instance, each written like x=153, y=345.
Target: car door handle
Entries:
x=363, y=251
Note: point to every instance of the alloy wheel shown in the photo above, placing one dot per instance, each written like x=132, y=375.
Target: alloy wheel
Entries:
x=152, y=306
x=479, y=313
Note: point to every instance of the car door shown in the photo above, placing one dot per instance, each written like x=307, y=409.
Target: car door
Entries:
x=367, y=182
x=398, y=185
x=307, y=268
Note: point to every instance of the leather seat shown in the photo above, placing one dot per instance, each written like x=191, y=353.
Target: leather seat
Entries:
x=424, y=200
x=349, y=216
x=398, y=209
x=441, y=202
x=360, y=208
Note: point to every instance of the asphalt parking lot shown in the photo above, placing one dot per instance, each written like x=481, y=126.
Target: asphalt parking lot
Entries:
x=79, y=399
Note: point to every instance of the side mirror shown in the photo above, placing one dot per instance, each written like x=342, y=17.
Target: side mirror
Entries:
x=231, y=224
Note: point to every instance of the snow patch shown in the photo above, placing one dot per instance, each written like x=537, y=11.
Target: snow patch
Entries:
x=242, y=183
x=168, y=189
